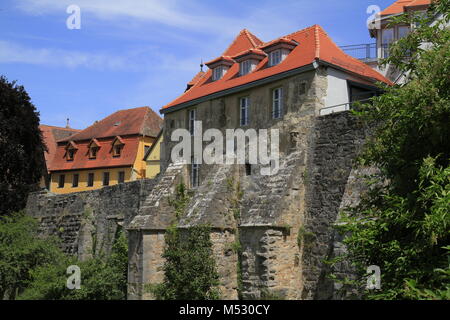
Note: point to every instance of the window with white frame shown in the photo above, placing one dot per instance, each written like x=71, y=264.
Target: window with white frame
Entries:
x=192, y=122
x=217, y=73
x=277, y=103
x=244, y=104
x=245, y=67
x=275, y=57
x=194, y=173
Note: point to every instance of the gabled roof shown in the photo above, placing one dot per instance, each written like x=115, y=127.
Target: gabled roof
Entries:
x=244, y=40
x=140, y=121
x=400, y=6
x=313, y=45
x=103, y=158
x=51, y=134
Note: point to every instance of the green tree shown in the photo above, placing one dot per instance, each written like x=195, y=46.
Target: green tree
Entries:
x=190, y=269
x=102, y=278
x=21, y=147
x=402, y=224
x=22, y=250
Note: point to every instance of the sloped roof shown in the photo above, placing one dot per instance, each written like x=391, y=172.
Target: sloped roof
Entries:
x=400, y=6
x=313, y=44
x=104, y=156
x=142, y=121
x=51, y=134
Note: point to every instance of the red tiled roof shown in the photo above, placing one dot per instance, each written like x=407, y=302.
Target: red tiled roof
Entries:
x=197, y=77
x=104, y=155
x=400, y=5
x=141, y=121
x=245, y=40
x=51, y=134
x=313, y=44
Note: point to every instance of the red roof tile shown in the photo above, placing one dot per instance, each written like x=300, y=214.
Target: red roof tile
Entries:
x=244, y=41
x=313, y=44
x=196, y=78
x=141, y=121
x=104, y=155
x=400, y=5
x=50, y=135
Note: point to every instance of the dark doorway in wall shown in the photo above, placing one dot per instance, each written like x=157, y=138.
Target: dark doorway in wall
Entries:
x=248, y=169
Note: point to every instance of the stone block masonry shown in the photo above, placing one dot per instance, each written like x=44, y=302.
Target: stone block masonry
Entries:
x=270, y=234
x=87, y=221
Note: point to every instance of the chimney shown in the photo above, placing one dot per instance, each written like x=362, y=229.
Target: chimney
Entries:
x=67, y=124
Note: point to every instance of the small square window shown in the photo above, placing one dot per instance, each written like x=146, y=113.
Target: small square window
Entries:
x=302, y=88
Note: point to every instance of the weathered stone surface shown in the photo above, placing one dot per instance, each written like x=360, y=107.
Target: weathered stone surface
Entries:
x=87, y=221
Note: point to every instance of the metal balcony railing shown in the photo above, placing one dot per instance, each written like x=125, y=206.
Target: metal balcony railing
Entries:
x=364, y=52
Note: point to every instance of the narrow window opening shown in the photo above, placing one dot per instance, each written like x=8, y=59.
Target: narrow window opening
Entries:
x=192, y=122
x=277, y=103
x=90, y=182
x=75, y=180
x=61, y=181
x=244, y=104
x=106, y=178
x=121, y=178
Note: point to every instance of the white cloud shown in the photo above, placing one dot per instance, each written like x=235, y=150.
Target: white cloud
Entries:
x=11, y=52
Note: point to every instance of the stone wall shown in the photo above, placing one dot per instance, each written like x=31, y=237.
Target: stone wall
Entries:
x=338, y=139
x=87, y=221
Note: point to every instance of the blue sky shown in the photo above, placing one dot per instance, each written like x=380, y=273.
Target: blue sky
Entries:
x=132, y=53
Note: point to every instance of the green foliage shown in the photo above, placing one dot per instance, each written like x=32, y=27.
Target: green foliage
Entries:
x=21, y=147
x=102, y=278
x=402, y=224
x=190, y=269
x=22, y=251
x=181, y=200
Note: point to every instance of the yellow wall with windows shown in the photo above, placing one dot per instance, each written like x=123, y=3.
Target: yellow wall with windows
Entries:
x=83, y=179
x=138, y=171
x=153, y=160
x=139, y=164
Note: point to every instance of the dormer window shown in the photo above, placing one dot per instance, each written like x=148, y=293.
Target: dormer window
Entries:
x=117, y=146
x=70, y=154
x=245, y=67
x=93, y=147
x=219, y=67
x=218, y=73
x=278, y=50
x=71, y=149
x=93, y=152
x=275, y=57
x=249, y=60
